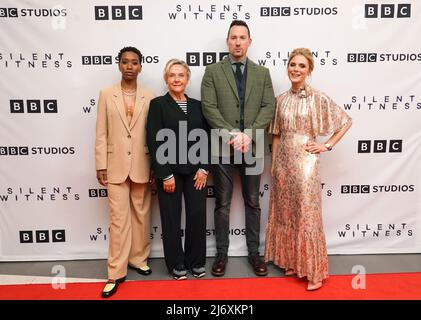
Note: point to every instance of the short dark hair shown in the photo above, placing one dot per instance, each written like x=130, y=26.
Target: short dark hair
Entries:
x=238, y=23
x=130, y=49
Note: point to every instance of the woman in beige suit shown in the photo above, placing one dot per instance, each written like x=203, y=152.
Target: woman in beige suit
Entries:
x=122, y=164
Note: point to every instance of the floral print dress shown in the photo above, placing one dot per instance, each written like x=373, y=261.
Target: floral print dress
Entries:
x=294, y=236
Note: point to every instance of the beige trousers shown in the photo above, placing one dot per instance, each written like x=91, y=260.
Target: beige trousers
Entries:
x=130, y=215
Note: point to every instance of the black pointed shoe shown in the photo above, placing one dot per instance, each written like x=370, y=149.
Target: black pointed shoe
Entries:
x=111, y=287
x=144, y=271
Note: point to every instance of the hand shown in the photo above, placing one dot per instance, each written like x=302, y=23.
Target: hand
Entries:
x=240, y=141
x=101, y=176
x=200, y=180
x=169, y=185
x=314, y=147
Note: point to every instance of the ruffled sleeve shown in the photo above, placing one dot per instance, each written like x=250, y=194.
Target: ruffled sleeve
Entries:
x=327, y=116
x=275, y=123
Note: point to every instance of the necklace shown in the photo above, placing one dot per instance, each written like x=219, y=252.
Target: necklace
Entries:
x=300, y=92
x=128, y=93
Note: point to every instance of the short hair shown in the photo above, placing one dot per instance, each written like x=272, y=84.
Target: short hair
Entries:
x=306, y=53
x=173, y=62
x=129, y=49
x=238, y=23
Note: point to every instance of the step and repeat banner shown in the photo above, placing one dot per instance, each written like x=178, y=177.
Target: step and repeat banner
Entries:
x=55, y=55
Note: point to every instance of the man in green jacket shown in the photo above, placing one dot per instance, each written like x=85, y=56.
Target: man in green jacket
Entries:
x=238, y=100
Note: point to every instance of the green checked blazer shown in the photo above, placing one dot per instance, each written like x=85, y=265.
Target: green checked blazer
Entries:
x=221, y=103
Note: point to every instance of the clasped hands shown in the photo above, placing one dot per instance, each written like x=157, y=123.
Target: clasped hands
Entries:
x=240, y=141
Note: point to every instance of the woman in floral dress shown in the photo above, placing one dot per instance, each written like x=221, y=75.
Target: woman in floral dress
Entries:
x=295, y=239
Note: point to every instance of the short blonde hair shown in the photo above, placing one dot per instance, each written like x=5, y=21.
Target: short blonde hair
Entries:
x=306, y=53
x=173, y=62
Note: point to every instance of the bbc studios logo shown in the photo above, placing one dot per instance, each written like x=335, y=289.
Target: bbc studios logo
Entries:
x=323, y=57
x=42, y=236
x=36, y=150
x=32, y=12
x=100, y=60
x=195, y=59
x=373, y=57
x=35, y=60
x=297, y=11
x=383, y=102
x=33, y=106
x=104, y=13
x=209, y=12
x=387, y=10
x=379, y=146
x=366, y=188
x=38, y=194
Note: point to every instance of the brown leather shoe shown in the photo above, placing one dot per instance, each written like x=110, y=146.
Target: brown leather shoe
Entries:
x=259, y=266
x=218, y=267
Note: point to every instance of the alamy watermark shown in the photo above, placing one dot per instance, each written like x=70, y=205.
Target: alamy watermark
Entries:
x=202, y=143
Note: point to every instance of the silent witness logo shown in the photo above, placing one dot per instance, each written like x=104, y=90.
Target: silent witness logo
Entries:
x=38, y=194
x=375, y=230
x=280, y=58
x=383, y=103
x=35, y=60
x=209, y=12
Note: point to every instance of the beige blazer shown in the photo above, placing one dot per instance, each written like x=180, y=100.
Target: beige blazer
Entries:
x=121, y=148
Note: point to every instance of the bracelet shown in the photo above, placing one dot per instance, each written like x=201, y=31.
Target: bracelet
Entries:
x=328, y=146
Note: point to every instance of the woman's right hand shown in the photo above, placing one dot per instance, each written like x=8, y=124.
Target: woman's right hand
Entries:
x=101, y=176
x=169, y=185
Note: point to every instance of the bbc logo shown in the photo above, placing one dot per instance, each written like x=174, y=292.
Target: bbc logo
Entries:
x=275, y=11
x=193, y=58
x=98, y=193
x=402, y=10
x=379, y=146
x=42, y=236
x=362, y=57
x=33, y=106
x=355, y=188
x=97, y=60
x=118, y=13
x=210, y=192
x=9, y=12
x=14, y=151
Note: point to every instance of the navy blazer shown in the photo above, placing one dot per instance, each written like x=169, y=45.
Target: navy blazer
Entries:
x=165, y=113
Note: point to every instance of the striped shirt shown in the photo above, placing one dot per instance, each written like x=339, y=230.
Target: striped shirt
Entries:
x=182, y=105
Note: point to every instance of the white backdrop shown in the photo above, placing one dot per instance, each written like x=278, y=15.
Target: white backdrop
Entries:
x=56, y=55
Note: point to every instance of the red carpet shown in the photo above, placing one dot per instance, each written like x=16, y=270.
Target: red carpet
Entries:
x=402, y=286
